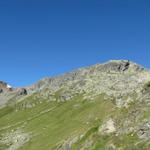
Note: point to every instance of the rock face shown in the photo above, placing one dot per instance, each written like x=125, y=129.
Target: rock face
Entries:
x=22, y=91
x=108, y=127
x=4, y=87
x=121, y=66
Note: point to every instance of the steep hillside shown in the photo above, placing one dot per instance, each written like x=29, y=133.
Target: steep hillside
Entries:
x=101, y=107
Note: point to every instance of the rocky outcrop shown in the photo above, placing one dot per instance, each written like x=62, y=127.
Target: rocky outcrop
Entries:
x=22, y=91
x=144, y=131
x=1, y=90
x=15, y=139
x=4, y=87
x=108, y=127
x=121, y=66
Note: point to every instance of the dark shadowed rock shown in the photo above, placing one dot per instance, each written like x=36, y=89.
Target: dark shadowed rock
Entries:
x=22, y=91
x=1, y=90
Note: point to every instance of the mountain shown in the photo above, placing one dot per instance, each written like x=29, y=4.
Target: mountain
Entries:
x=100, y=107
x=4, y=87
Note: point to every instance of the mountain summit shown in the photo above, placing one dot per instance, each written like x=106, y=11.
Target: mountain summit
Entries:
x=103, y=106
x=121, y=65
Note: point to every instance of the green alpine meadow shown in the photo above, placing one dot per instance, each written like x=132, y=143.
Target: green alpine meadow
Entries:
x=99, y=107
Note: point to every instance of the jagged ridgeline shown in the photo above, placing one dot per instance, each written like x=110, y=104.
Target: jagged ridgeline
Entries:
x=101, y=107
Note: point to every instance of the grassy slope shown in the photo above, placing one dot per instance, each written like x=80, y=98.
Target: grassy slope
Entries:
x=50, y=122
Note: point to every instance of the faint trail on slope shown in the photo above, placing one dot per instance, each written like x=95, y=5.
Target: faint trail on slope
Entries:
x=30, y=118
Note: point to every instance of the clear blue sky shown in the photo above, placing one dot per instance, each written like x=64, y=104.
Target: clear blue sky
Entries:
x=41, y=38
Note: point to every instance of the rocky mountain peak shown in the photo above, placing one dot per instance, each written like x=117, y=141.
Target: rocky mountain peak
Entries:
x=121, y=66
x=98, y=73
x=4, y=87
x=111, y=101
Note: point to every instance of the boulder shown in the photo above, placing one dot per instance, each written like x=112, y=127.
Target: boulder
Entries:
x=23, y=91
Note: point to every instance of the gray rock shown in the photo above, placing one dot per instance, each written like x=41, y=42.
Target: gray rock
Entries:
x=144, y=131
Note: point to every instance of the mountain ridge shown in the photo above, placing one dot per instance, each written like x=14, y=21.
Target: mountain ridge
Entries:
x=103, y=106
